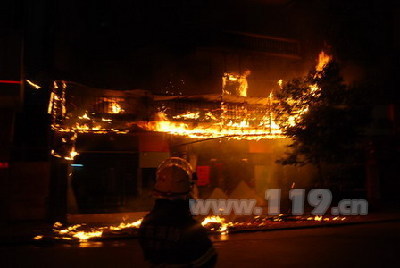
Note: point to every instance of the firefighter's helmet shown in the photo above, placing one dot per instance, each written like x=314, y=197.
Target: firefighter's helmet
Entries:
x=173, y=179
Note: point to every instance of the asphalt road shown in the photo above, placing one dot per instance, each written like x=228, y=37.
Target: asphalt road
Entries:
x=363, y=245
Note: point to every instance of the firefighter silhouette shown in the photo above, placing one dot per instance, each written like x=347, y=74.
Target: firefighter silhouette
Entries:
x=169, y=235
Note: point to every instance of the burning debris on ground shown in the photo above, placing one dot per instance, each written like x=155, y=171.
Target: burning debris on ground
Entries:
x=81, y=233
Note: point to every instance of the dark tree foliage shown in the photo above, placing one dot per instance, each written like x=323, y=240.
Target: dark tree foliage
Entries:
x=331, y=129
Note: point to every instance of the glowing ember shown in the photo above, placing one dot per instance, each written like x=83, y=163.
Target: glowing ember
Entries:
x=116, y=108
x=187, y=116
x=280, y=83
x=123, y=225
x=235, y=84
x=72, y=154
x=32, y=84
x=67, y=230
x=218, y=222
x=84, y=236
x=51, y=103
x=318, y=218
x=85, y=116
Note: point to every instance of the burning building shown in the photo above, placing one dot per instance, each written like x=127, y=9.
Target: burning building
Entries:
x=109, y=144
x=106, y=144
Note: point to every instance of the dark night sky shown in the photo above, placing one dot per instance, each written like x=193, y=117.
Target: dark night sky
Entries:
x=117, y=43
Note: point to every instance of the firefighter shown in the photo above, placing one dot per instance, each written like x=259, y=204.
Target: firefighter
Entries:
x=169, y=235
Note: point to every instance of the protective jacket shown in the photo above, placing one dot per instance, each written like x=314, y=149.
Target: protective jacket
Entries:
x=170, y=237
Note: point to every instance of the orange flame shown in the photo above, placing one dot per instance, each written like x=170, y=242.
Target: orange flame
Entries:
x=73, y=232
x=213, y=222
x=267, y=128
x=123, y=225
x=323, y=60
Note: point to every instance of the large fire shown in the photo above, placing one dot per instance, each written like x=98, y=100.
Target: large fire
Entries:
x=234, y=118
x=244, y=125
x=238, y=123
x=244, y=129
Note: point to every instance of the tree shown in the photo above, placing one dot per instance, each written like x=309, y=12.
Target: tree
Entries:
x=321, y=114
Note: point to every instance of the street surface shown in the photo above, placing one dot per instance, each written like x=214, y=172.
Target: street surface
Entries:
x=371, y=245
